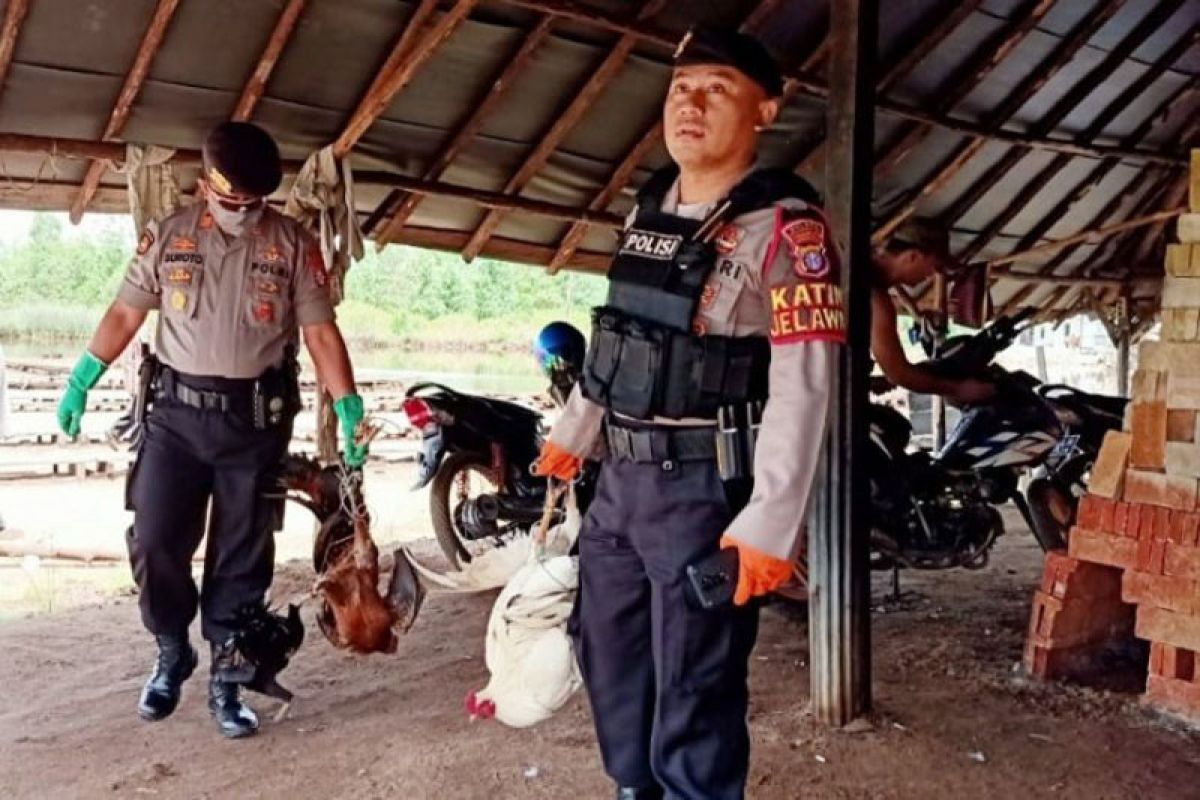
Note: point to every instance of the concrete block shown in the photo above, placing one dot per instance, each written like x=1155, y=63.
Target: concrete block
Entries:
x=1183, y=262
x=1188, y=228
x=1150, y=385
x=1156, y=489
x=1160, y=591
x=1178, y=358
x=1179, y=291
x=1108, y=473
x=1097, y=547
x=1181, y=425
x=1183, y=459
x=1168, y=627
x=1149, y=442
x=1194, y=182
x=1183, y=391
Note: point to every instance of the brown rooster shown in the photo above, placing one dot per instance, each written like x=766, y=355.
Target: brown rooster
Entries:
x=354, y=614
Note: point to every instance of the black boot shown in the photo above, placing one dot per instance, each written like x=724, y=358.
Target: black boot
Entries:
x=234, y=718
x=630, y=793
x=176, y=662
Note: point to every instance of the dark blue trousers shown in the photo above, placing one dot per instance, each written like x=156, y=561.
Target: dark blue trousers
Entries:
x=188, y=458
x=666, y=678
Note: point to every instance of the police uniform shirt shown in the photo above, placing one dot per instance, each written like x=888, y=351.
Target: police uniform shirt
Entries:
x=777, y=276
x=228, y=307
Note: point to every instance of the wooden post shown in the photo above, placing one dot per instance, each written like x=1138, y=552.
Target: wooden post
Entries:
x=1124, y=334
x=937, y=409
x=839, y=578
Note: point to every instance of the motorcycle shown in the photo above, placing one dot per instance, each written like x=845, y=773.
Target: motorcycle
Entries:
x=939, y=511
x=477, y=453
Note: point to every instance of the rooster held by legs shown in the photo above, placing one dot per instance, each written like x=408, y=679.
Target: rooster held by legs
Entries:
x=354, y=614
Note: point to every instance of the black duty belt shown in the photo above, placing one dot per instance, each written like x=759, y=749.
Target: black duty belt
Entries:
x=202, y=399
x=235, y=396
x=660, y=444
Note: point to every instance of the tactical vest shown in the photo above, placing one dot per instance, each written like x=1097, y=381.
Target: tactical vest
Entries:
x=643, y=359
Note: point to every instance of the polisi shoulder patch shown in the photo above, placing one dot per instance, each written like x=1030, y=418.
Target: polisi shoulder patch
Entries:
x=650, y=244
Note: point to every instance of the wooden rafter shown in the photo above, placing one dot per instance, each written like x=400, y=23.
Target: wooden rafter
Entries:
x=988, y=56
x=1063, y=107
x=469, y=128
x=1166, y=192
x=75, y=148
x=566, y=122
x=14, y=15
x=500, y=247
x=913, y=55
x=1086, y=237
x=953, y=164
x=256, y=84
x=1099, y=173
x=409, y=55
x=1101, y=218
x=1110, y=112
x=151, y=41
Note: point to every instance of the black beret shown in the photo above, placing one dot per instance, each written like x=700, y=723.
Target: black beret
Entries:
x=242, y=158
x=744, y=53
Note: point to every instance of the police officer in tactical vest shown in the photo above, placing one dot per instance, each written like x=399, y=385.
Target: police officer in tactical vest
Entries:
x=233, y=282
x=707, y=381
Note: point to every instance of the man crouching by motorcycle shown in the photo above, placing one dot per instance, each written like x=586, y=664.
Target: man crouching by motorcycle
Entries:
x=918, y=249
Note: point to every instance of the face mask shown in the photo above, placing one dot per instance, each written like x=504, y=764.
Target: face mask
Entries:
x=234, y=223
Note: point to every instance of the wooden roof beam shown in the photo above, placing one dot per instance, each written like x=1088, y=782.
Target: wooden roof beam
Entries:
x=75, y=148
x=256, y=84
x=1038, y=77
x=1111, y=207
x=469, y=128
x=988, y=56
x=1063, y=107
x=1090, y=236
x=1097, y=175
x=408, y=55
x=1035, y=185
x=14, y=15
x=570, y=117
x=947, y=23
x=151, y=41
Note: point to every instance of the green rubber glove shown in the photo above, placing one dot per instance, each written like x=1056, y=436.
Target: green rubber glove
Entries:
x=86, y=374
x=349, y=410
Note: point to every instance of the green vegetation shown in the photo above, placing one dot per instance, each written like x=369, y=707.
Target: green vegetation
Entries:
x=56, y=286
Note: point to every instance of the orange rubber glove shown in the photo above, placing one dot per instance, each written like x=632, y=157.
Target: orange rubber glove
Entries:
x=555, y=462
x=758, y=573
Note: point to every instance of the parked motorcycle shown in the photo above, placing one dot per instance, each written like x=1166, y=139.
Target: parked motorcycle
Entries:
x=938, y=511
x=477, y=453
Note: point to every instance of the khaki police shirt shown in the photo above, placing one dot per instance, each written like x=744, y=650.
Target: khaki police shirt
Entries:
x=776, y=276
x=228, y=306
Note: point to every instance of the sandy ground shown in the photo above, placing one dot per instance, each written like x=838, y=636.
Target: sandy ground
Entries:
x=953, y=719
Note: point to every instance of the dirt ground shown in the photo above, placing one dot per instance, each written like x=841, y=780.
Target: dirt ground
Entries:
x=954, y=718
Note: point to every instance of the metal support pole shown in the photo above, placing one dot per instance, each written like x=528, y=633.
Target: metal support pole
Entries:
x=839, y=579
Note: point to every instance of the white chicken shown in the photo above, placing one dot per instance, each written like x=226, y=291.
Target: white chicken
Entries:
x=526, y=648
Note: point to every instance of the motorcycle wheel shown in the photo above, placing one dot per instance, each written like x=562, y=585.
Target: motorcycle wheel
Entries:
x=451, y=485
x=1052, y=512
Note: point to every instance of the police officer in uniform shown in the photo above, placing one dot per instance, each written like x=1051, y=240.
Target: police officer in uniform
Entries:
x=917, y=250
x=707, y=379
x=233, y=282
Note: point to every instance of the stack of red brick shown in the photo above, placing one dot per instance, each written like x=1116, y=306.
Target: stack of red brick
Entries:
x=1136, y=540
